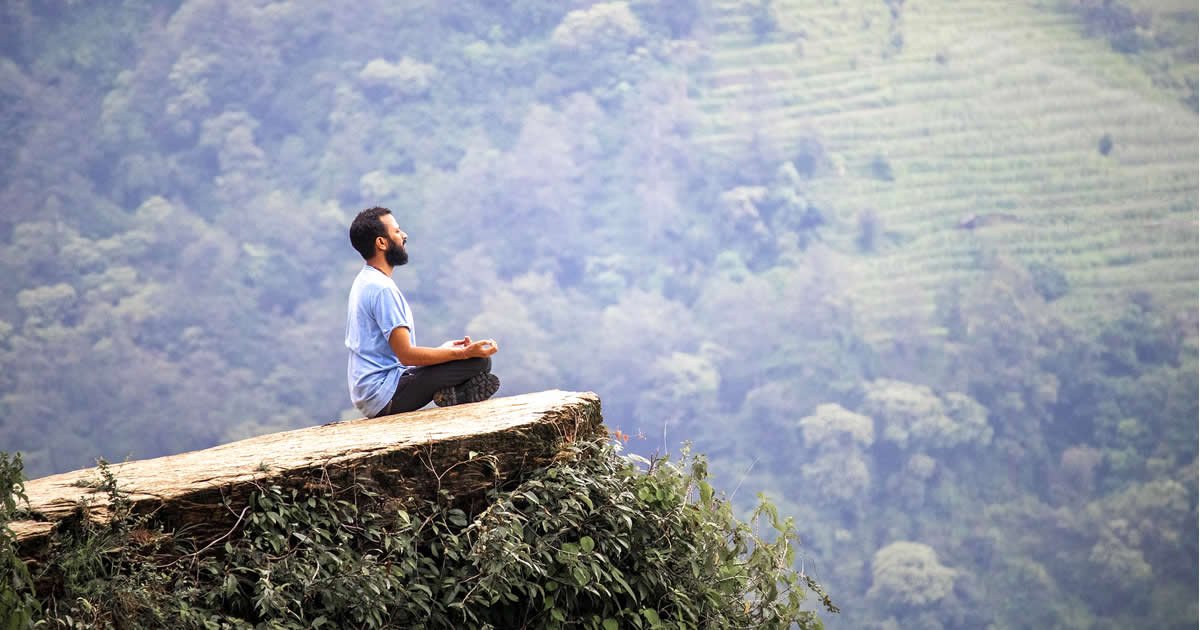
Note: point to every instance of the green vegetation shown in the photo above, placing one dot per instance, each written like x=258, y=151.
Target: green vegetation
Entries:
x=595, y=541
x=16, y=600
x=924, y=272
x=989, y=108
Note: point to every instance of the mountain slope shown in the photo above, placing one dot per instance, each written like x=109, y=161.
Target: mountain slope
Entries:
x=1063, y=150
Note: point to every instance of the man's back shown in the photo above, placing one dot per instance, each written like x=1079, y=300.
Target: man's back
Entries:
x=375, y=308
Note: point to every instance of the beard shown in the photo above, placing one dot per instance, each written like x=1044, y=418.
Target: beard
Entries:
x=396, y=255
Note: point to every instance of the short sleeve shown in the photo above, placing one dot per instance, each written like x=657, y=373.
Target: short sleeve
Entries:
x=391, y=311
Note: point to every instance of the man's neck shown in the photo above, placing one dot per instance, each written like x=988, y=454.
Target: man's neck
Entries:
x=381, y=264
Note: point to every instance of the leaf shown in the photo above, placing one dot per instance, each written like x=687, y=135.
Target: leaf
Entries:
x=581, y=575
x=620, y=580
x=587, y=544
x=611, y=624
x=652, y=616
x=638, y=459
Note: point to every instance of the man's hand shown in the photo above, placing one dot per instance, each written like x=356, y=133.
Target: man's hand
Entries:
x=401, y=343
x=481, y=348
x=472, y=349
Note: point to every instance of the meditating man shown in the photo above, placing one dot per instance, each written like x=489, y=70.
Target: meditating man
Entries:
x=388, y=372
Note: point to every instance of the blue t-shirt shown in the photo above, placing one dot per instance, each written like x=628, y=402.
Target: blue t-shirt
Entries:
x=376, y=308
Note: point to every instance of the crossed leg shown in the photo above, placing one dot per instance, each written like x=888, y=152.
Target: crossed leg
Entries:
x=418, y=384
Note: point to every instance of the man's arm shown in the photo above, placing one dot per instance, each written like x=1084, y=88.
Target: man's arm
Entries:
x=401, y=342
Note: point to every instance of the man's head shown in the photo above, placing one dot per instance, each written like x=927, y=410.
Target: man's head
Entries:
x=375, y=230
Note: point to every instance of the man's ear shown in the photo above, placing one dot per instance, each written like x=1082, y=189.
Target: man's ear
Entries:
x=377, y=245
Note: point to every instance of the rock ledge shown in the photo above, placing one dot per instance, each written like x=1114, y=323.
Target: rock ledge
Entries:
x=464, y=450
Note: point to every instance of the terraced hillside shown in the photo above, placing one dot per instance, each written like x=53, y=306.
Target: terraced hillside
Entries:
x=934, y=111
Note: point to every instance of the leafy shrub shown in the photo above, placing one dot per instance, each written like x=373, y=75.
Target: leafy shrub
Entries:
x=16, y=605
x=598, y=540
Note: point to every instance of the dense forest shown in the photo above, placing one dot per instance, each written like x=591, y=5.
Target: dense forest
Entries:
x=970, y=377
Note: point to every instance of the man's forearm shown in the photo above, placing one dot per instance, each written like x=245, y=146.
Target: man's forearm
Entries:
x=420, y=355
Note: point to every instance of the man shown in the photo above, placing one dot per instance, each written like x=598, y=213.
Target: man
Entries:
x=388, y=372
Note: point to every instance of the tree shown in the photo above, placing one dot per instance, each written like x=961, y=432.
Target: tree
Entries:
x=914, y=417
x=787, y=208
x=1010, y=339
x=837, y=468
x=601, y=29
x=1126, y=29
x=907, y=577
x=406, y=77
x=641, y=327
x=683, y=390
x=521, y=314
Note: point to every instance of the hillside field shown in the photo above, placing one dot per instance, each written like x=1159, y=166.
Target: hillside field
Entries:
x=951, y=110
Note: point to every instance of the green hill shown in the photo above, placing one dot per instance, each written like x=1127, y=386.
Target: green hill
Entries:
x=995, y=109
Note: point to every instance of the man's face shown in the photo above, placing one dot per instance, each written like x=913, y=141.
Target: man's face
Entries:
x=395, y=255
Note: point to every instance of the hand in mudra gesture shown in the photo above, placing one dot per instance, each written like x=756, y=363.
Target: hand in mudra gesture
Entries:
x=473, y=349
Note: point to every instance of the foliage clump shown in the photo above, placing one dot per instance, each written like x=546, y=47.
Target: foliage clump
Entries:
x=598, y=540
x=908, y=575
x=15, y=584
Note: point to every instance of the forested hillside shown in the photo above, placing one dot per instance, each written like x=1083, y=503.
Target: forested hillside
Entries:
x=922, y=271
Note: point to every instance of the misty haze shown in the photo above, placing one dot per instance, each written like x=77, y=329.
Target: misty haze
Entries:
x=922, y=272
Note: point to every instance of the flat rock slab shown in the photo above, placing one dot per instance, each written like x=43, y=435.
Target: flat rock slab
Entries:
x=464, y=450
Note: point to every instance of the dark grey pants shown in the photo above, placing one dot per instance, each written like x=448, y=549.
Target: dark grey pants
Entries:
x=418, y=384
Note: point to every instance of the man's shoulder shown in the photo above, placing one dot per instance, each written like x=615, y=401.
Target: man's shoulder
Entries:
x=370, y=283
x=369, y=278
